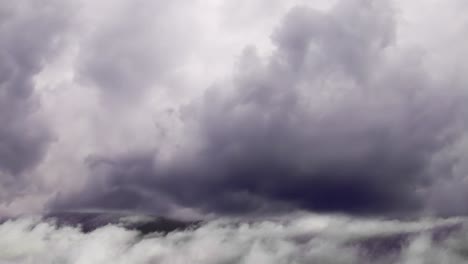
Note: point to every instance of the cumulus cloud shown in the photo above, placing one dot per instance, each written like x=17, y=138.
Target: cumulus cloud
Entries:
x=339, y=117
x=331, y=106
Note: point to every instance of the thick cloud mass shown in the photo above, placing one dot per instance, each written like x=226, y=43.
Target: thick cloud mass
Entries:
x=29, y=34
x=338, y=118
x=348, y=106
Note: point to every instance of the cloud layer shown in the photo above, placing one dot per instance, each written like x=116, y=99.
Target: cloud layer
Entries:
x=305, y=239
x=327, y=108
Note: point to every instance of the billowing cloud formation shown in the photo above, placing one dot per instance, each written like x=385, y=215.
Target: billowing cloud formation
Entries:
x=332, y=106
x=30, y=32
x=338, y=118
x=306, y=239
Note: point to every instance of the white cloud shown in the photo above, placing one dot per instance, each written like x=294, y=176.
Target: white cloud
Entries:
x=324, y=239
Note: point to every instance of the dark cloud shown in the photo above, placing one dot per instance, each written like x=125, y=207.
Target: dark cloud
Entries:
x=113, y=183
x=29, y=35
x=339, y=118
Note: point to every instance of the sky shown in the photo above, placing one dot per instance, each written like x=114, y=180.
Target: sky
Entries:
x=206, y=108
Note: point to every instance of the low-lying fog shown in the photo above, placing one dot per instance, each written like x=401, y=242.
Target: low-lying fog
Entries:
x=301, y=239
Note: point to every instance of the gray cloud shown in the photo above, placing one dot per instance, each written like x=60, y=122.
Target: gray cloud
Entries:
x=29, y=35
x=339, y=118
x=135, y=46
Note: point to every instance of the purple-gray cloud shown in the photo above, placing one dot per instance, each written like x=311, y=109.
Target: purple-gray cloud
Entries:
x=30, y=32
x=135, y=47
x=338, y=118
x=134, y=105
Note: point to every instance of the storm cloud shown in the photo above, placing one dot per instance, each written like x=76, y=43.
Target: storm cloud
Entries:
x=245, y=108
x=30, y=33
x=340, y=117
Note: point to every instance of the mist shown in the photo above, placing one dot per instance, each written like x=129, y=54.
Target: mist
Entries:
x=305, y=238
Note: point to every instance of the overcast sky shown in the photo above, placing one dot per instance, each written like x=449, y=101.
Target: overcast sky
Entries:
x=234, y=107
